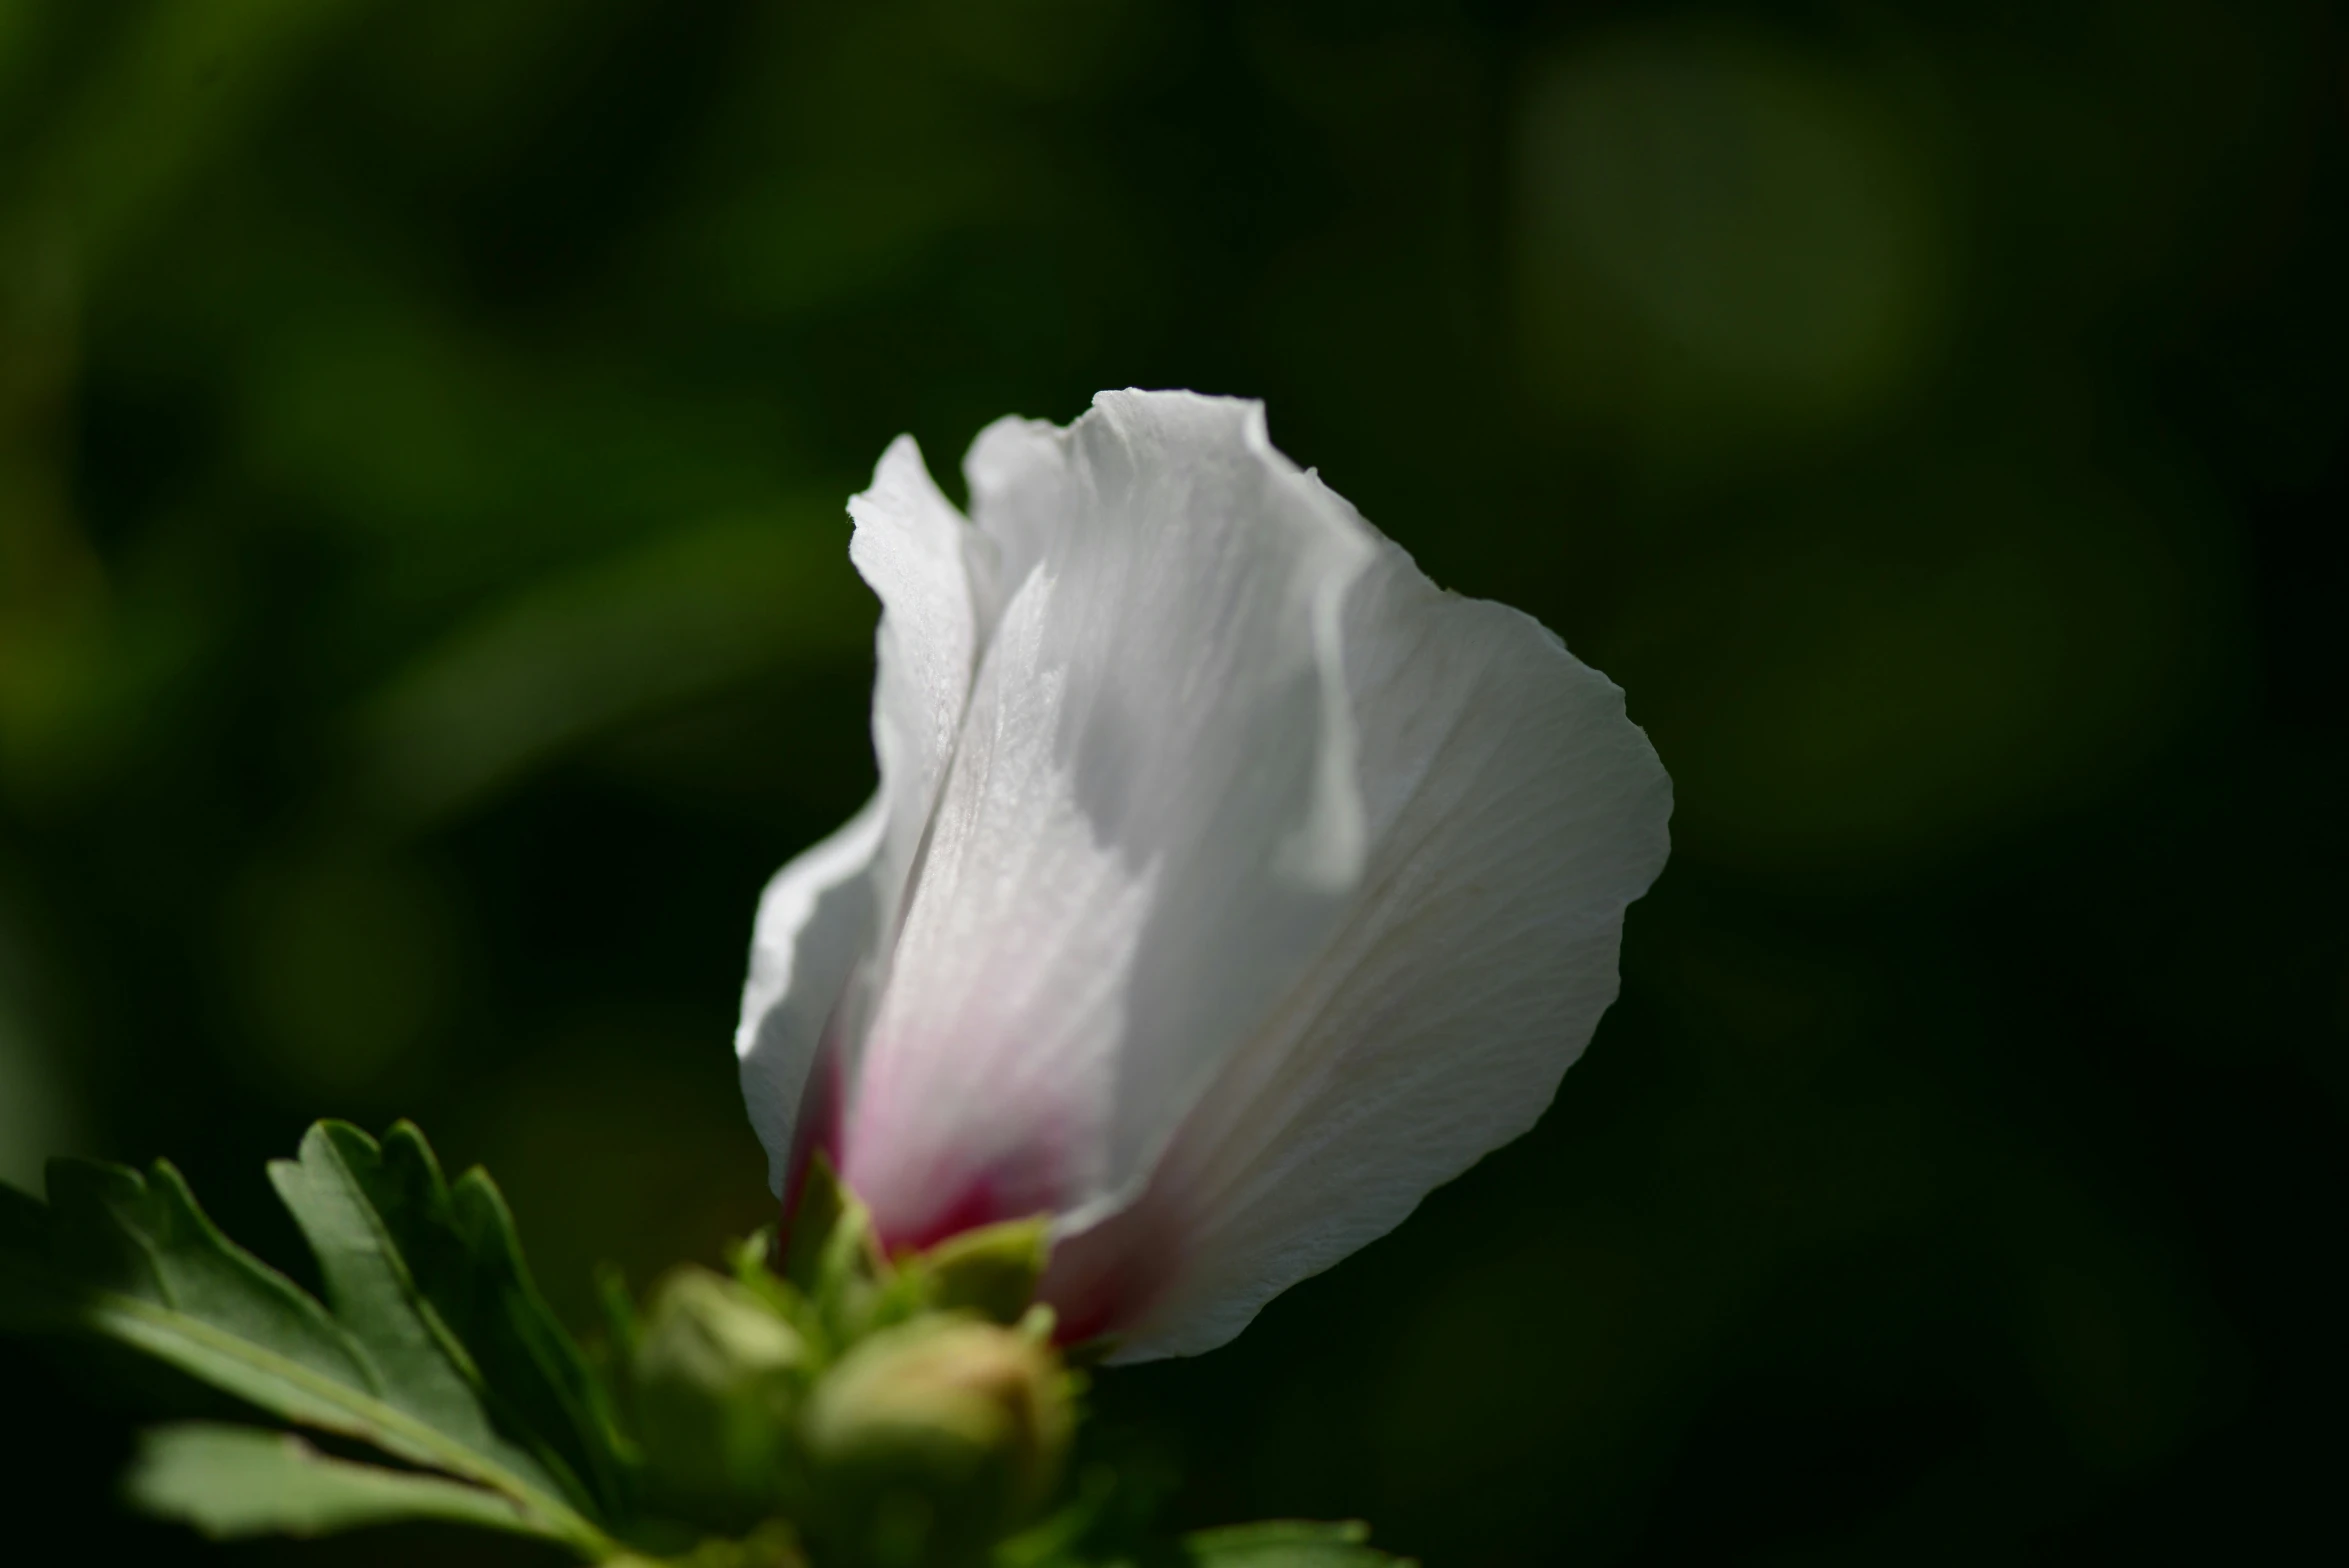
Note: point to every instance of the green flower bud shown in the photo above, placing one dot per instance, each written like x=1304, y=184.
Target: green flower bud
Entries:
x=930, y=1441
x=991, y=1271
x=717, y=1380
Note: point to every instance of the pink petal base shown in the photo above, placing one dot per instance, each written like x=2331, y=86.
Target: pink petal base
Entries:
x=1099, y=1283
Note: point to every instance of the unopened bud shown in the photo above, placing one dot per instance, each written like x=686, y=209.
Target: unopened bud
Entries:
x=930, y=1441
x=717, y=1382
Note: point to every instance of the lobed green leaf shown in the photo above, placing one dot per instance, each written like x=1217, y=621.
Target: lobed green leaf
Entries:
x=466, y=1261
x=427, y=1371
x=133, y=1260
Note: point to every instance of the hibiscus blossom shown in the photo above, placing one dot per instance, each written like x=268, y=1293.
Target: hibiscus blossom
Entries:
x=1228, y=887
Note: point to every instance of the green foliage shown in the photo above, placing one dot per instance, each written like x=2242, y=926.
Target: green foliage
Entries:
x=424, y=611
x=471, y=1283
x=133, y=1260
x=1284, y=1543
x=231, y=1481
x=868, y=1411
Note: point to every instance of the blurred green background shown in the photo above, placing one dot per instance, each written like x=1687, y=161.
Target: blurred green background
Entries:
x=425, y=621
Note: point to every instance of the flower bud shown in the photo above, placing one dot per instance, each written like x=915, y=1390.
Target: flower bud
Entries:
x=930, y=1441
x=717, y=1381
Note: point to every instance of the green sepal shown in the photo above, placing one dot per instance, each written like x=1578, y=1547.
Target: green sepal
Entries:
x=754, y=1254
x=1040, y=1325
x=833, y=1259
x=992, y=1271
x=833, y=1262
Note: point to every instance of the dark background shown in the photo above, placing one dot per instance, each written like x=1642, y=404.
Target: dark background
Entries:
x=425, y=622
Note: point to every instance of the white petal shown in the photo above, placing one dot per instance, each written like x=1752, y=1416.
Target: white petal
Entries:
x=1151, y=821
x=815, y=933
x=918, y=555
x=820, y=946
x=1514, y=811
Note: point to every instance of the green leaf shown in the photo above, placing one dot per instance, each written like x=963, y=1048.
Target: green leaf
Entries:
x=463, y=1255
x=527, y=1349
x=232, y=1481
x=427, y=1370
x=133, y=1260
x=1286, y=1543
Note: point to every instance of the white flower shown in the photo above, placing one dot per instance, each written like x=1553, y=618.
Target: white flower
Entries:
x=1228, y=887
